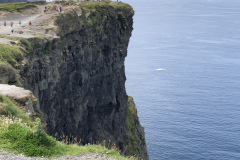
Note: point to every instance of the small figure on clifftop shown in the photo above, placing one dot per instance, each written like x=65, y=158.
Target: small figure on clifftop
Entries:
x=30, y=23
x=60, y=9
x=20, y=22
x=11, y=24
x=12, y=29
x=5, y=24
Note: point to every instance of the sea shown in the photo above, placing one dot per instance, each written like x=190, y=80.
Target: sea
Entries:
x=183, y=71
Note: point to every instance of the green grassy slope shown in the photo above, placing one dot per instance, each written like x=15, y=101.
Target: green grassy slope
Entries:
x=15, y=6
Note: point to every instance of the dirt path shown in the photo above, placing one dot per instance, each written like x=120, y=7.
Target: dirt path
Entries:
x=87, y=156
x=24, y=27
x=24, y=30
x=42, y=24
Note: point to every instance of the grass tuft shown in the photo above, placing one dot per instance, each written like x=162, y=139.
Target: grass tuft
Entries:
x=10, y=54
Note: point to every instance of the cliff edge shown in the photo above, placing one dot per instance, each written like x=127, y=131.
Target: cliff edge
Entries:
x=78, y=76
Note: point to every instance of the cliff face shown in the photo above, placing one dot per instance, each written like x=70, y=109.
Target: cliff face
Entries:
x=79, y=79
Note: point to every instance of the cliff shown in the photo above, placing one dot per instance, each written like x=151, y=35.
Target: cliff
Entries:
x=78, y=77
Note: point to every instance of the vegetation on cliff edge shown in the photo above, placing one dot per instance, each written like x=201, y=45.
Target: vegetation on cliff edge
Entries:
x=10, y=58
x=10, y=54
x=16, y=6
x=92, y=6
x=101, y=11
x=134, y=141
x=19, y=135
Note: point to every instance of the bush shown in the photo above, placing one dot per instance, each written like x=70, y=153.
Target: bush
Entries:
x=24, y=140
x=20, y=32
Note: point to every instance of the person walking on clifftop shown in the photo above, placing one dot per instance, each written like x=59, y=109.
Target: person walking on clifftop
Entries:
x=12, y=29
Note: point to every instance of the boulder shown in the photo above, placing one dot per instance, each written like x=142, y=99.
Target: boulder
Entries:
x=23, y=98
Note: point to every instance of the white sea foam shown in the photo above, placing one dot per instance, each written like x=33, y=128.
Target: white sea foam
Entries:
x=161, y=69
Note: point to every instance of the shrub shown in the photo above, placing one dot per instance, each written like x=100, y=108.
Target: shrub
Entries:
x=20, y=32
x=26, y=141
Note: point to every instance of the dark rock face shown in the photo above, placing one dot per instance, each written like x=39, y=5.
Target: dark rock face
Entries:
x=79, y=79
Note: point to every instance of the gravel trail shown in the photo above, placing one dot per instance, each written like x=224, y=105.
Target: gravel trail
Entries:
x=88, y=156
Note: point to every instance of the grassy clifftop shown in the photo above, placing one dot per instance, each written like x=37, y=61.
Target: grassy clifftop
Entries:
x=94, y=14
x=93, y=6
x=16, y=6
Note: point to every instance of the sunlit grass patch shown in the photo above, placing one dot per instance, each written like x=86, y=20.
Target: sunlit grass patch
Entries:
x=15, y=6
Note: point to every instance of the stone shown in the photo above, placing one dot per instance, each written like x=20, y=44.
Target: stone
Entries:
x=24, y=99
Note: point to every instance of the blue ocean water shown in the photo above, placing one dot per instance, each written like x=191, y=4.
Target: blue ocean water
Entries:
x=190, y=107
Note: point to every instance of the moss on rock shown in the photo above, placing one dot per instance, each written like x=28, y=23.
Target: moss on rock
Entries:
x=134, y=142
x=10, y=57
x=135, y=132
x=10, y=54
x=8, y=74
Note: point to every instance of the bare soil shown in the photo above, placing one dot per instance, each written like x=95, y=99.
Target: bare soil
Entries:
x=88, y=156
x=42, y=22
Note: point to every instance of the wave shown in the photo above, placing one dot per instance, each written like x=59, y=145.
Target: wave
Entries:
x=161, y=69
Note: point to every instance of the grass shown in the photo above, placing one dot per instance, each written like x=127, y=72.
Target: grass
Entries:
x=102, y=11
x=10, y=57
x=10, y=74
x=7, y=108
x=15, y=6
x=13, y=38
x=18, y=136
x=26, y=44
x=10, y=54
x=92, y=6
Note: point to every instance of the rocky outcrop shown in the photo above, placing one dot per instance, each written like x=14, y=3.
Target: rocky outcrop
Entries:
x=24, y=99
x=79, y=78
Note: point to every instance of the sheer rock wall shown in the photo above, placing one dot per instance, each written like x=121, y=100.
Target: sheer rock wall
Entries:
x=79, y=78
